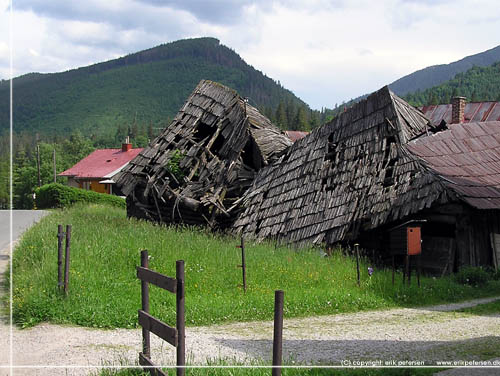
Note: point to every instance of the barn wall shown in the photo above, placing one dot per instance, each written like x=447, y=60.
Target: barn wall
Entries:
x=457, y=235
x=454, y=236
x=473, y=241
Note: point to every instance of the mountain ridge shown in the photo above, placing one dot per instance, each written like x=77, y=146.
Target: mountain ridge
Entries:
x=427, y=78
x=145, y=87
x=436, y=74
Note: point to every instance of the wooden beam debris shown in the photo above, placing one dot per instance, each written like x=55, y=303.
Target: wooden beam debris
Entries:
x=198, y=168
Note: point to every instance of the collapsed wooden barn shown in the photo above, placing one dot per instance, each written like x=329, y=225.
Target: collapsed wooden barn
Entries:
x=360, y=175
x=199, y=166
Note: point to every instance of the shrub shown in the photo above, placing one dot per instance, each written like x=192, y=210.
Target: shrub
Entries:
x=471, y=275
x=494, y=273
x=59, y=196
x=173, y=165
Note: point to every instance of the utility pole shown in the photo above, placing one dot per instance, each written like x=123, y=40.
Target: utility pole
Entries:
x=55, y=174
x=38, y=164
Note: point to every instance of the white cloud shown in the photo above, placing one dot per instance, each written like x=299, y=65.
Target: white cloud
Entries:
x=325, y=51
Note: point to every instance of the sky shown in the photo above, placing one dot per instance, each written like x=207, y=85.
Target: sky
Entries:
x=325, y=51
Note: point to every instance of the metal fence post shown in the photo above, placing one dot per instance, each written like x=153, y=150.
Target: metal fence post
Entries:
x=278, y=332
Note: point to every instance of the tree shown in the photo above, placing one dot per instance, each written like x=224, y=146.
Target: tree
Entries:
x=150, y=131
x=134, y=131
x=300, y=121
x=24, y=181
x=120, y=134
x=314, y=119
x=4, y=182
x=433, y=98
x=281, y=119
x=290, y=114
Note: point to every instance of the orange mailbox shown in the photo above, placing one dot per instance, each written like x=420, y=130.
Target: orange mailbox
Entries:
x=406, y=239
x=414, y=241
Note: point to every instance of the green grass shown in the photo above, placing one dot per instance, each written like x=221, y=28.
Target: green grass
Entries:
x=285, y=372
x=104, y=290
x=484, y=309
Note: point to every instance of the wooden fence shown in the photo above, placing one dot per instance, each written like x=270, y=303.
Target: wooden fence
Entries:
x=175, y=336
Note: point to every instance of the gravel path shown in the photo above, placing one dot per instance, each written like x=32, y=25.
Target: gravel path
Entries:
x=431, y=333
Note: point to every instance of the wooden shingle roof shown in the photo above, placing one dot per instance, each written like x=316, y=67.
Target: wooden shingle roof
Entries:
x=216, y=143
x=351, y=173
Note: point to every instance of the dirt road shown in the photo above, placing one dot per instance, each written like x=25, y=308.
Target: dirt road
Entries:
x=425, y=334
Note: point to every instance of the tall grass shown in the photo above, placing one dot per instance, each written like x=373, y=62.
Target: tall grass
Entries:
x=104, y=290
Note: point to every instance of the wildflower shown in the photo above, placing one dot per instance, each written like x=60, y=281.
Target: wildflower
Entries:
x=370, y=271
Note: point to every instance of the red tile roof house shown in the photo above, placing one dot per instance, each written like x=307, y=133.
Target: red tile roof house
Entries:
x=96, y=171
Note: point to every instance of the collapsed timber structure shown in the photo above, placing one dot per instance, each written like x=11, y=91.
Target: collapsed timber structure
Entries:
x=374, y=167
x=195, y=171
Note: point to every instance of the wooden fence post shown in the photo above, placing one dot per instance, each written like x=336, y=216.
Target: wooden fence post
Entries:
x=60, y=235
x=356, y=248
x=66, y=261
x=278, y=333
x=181, y=327
x=243, y=264
x=146, y=341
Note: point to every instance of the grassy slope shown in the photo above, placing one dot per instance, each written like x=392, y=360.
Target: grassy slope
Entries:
x=104, y=291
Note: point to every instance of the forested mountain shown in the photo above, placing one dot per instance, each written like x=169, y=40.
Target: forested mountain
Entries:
x=437, y=74
x=144, y=89
x=417, y=82
x=97, y=106
x=478, y=84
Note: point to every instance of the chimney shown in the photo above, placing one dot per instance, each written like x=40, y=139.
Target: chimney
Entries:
x=126, y=146
x=457, y=110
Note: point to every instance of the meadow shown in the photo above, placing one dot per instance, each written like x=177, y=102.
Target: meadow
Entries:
x=104, y=291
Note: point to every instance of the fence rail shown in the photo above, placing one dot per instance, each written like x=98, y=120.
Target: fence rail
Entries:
x=174, y=336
